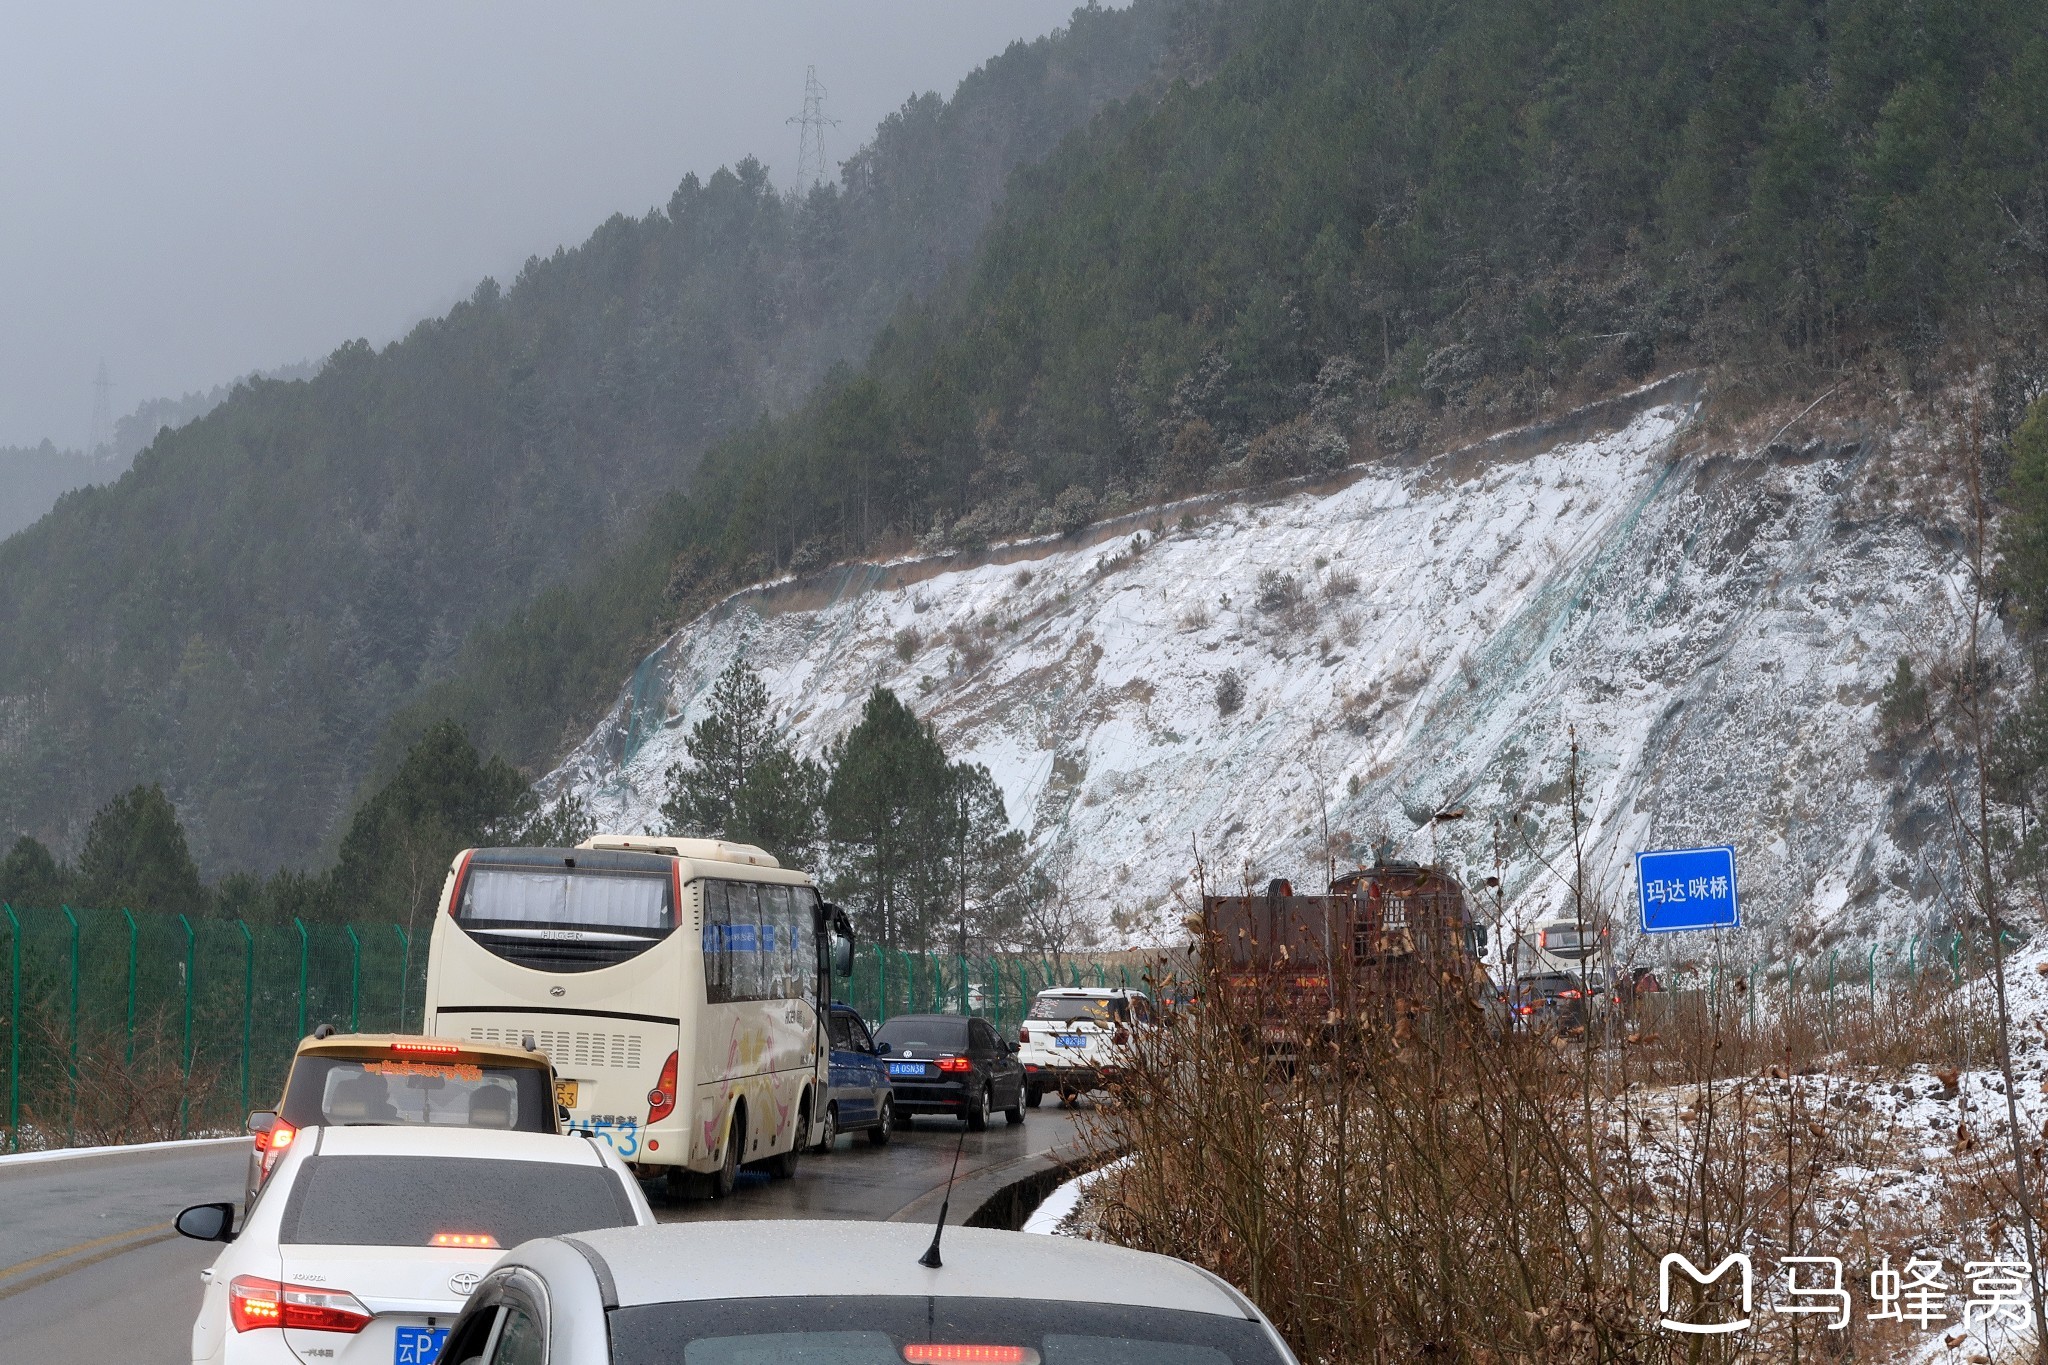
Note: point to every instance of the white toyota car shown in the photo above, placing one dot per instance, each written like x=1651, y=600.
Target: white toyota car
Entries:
x=366, y=1240
x=1074, y=1038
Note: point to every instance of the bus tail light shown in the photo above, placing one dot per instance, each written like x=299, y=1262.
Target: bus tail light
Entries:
x=254, y=1302
x=661, y=1101
x=955, y=1064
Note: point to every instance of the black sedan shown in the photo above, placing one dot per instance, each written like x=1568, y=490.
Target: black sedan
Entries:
x=950, y=1065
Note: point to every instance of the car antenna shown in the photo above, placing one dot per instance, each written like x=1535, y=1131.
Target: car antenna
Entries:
x=930, y=1260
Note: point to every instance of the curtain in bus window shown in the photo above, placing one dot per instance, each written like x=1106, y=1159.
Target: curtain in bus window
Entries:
x=506, y=895
x=774, y=936
x=743, y=940
x=717, y=973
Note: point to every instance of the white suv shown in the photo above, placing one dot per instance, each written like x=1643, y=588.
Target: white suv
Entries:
x=1074, y=1038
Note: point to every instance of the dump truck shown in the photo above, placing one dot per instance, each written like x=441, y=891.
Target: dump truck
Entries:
x=1387, y=942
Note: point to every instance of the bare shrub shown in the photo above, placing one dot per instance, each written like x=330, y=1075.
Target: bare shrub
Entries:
x=1340, y=583
x=971, y=649
x=1355, y=712
x=1277, y=591
x=1196, y=617
x=1410, y=1179
x=908, y=641
x=127, y=1090
x=1229, y=692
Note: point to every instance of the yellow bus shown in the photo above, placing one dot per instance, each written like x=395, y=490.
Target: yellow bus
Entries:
x=679, y=986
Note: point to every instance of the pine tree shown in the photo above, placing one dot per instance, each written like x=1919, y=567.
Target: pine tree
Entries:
x=445, y=797
x=888, y=811
x=744, y=782
x=135, y=857
x=31, y=875
x=723, y=749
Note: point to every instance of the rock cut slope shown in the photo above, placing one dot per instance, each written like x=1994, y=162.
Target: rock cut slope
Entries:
x=1713, y=628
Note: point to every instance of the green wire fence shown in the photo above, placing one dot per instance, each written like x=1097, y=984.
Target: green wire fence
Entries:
x=208, y=1010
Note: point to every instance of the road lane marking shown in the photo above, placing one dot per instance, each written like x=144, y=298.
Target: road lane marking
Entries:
x=58, y=1272
x=94, y=1245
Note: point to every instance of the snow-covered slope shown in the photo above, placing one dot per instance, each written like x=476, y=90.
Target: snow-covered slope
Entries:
x=1715, y=628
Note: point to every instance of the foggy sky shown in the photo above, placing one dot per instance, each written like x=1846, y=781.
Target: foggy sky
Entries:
x=192, y=191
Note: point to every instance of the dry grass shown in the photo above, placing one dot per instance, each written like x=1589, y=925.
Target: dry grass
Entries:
x=1430, y=1186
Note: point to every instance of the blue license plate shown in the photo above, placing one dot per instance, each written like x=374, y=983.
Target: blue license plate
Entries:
x=906, y=1068
x=418, y=1345
x=1070, y=1040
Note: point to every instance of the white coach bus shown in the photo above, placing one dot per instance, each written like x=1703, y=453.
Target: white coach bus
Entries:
x=675, y=984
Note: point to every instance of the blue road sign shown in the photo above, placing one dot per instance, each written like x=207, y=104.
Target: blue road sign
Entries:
x=1687, y=888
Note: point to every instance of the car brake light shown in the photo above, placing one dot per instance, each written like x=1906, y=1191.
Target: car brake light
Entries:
x=955, y=1064
x=661, y=1101
x=1525, y=1009
x=1023, y=1034
x=428, y=1049
x=463, y=1239
x=254, y=1302
x=1567, y=995
x=960, y=1353
x=1121, y=1036
x=273, y=1143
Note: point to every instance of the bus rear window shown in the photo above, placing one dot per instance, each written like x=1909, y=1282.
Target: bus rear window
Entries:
x=551, y=898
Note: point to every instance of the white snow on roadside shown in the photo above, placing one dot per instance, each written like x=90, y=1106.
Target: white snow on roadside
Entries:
x=70, y=1153
x=1054, y=1216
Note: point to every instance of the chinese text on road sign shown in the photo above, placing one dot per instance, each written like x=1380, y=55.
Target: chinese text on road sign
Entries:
x=1687, y=888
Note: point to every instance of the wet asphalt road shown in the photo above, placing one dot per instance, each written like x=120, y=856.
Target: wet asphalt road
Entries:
x=90, y=1271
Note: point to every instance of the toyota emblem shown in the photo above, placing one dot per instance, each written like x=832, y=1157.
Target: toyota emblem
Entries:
x=558, y=991
x=463, y=1283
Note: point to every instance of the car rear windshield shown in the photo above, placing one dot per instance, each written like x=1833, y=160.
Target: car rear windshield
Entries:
x=879, y=1331
x=1071, y=1007
x=347, y=1091
x=936, y=1035
x=409, y=1200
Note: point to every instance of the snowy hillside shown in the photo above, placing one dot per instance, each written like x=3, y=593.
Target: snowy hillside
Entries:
x=1716, y=626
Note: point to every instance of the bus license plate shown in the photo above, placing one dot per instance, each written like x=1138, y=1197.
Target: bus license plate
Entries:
x=418, y=1345
x=906, y=1068
x=565, y=1094
x=1070, y=1040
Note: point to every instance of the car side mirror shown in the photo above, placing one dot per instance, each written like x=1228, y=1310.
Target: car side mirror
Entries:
x=262, y=1121
x=208, y=1223
x=563, y=1118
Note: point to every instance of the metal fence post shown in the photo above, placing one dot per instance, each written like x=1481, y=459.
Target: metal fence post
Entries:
x=355, y=976
x=13, y=1030
x=248, y=1004
x=71, y=1113
x=131, y=983
x=300, y=925
x=404, y=975
x=191, y=969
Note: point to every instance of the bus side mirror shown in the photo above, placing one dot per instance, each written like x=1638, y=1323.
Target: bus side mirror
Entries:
x=842, y=956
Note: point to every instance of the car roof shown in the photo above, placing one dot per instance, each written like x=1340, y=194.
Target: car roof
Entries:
x=925, y=1018
x=776, y=1258
x=349, y=1044
x=412, y=1139
x=1094, y=992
